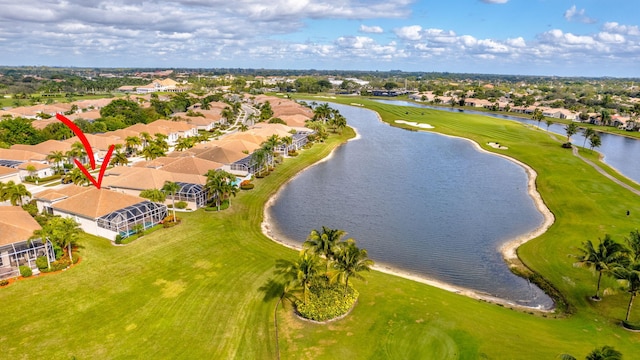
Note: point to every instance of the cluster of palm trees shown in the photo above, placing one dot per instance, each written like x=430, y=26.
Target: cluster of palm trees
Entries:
x=602, y=353
x=14, y=193
x=63, y=232
x=221, y=185
x=325, y=254
x=328, y=116
x=265, y=155
x=589, y=134
x=592, y=136
x=169, y=188
x=611, y=258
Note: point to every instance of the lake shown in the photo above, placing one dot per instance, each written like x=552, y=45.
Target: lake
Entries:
x=420, y=202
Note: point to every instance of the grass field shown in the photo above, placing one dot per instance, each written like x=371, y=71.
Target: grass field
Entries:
x=193, y=291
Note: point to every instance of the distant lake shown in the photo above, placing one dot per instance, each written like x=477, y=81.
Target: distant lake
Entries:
x=417, y=201
x=615, y=148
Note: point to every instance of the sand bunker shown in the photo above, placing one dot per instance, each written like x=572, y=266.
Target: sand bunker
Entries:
x=410, y=123
x=497, y=146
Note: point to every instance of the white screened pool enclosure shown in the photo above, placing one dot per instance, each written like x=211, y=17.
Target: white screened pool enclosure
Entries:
x=17, y=254
x=125, y=221
x=193, y=194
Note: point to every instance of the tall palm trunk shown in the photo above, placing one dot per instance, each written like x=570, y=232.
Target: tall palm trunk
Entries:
x=598, y=287
x=633, y=295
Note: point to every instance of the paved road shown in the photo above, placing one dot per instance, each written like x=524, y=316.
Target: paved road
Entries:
x=601, y=171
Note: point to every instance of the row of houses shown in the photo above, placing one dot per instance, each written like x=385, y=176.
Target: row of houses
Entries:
x=117, y=208
x=619, y=121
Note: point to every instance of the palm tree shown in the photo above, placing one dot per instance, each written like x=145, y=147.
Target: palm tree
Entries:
x=258, y=159
x=286, y=141
x=630, y=276
x=152, y=151
x=77, y=152
x=171, y=189
x=227, y=114
x=56, y=157
x=604, y=353
x=16, y=193
x=602, y=259
x=300, y=272
x=132, y=143
x=537, y=115
x=349, y=261
x=161, y=141
x=145, y=138
x=570, y=129
x=322, y=112
x=595, y=141
x=587, y=133
x=184, y=143
x=154, y=195
x=243, y=127
x=78, y=177
x=119, y=158
x=633, y=242
x=324, y=242
x=63, y=232
x=218, y=184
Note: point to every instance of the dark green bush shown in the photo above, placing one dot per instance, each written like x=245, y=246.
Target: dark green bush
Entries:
x=293, y=153
x=181, y=205
x=118, y=239
x=326, y=301
x=41, y=262
x=25, y=271
x=4, y=282
x=566, y=145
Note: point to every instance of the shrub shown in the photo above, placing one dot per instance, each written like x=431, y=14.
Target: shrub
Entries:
x=566, y=145
x=60, y=264
x=25, y=271
x=118, y=239
x=246, y=185
x=42, y=263
x=293, y=153
x=326, y=301
x=181, y=205
x=4, y=282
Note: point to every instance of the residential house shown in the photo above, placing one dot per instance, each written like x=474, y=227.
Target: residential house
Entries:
x=133, y=180
x=16, y=246
x=9, y=174
x=101, y=212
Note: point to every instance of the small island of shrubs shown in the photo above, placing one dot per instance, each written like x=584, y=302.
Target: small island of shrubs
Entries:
x=317, y=282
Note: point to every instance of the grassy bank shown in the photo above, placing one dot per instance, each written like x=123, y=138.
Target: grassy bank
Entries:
x=192, y=291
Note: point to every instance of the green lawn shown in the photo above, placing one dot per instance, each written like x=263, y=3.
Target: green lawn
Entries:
x=192, y=291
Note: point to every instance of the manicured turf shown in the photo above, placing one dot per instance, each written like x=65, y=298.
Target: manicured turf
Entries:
x=192, y=291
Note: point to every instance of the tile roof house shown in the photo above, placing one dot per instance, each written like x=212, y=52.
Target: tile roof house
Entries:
x=16, y=228
x=101, y=212
x=9, y=174
x=133, y=180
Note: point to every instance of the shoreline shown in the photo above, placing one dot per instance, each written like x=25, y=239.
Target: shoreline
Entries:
x=507, y=249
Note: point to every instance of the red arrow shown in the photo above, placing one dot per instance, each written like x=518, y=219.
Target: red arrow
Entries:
x=89, y=151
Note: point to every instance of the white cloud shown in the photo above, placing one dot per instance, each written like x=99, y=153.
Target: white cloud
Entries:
x=616, y=28
x=494, y=1
x=371, y=29
x=517, y=42
x=573, y=14
x=412, y=32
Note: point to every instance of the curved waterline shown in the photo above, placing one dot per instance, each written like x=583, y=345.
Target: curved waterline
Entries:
x=506, y=249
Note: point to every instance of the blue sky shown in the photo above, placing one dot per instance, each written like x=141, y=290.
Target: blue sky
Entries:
x=532, y=37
